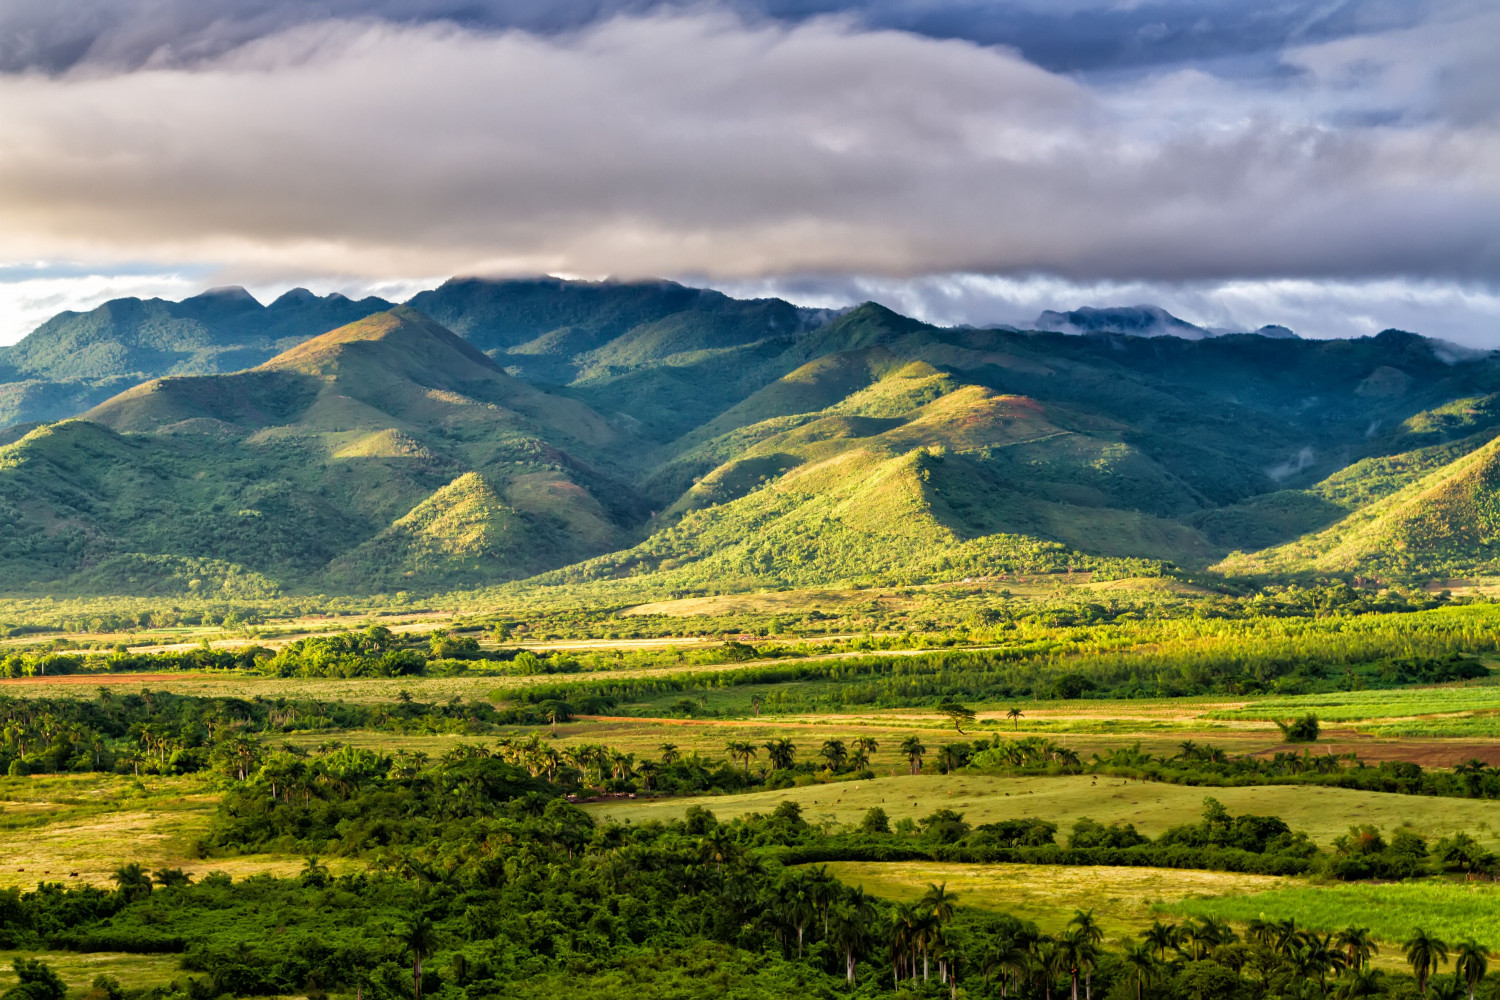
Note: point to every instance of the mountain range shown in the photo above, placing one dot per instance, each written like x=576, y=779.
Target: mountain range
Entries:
x=625, y=440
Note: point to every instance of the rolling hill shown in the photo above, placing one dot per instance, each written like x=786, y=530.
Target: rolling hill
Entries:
x=632, y=439
x=386, y=454
x=77, y=359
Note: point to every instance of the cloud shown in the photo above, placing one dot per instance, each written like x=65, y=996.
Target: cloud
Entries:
x=701, y=143
x=1464, y=314
x=1061, y=35
x=31, y=294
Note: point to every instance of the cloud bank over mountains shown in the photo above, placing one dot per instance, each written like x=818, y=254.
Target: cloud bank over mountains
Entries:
x=1176, y=150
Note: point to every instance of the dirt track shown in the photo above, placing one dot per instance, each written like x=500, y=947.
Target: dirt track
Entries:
x=94, y=678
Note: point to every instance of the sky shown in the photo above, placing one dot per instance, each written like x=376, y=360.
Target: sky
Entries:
x=1330, y=166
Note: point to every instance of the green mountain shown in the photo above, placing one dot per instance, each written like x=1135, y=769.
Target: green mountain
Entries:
x=343, y=463
x=635, y=439
x=77, y=359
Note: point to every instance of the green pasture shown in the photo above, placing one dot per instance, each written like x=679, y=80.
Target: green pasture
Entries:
x=1322, y=813
x=80, y=828
x=78, y=969
x=1451, y=910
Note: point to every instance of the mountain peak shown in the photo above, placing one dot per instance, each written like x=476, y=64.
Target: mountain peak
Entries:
x=1134, y=321
x=400, y=340
x=293, y=297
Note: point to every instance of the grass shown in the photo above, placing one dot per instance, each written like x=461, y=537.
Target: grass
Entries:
x=134, y=972
x=1451, y=910
x=80, y=828
x=1323, y=813
x=1125, y=900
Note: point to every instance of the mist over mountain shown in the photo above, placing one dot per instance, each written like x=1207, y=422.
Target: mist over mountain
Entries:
x=637, y=439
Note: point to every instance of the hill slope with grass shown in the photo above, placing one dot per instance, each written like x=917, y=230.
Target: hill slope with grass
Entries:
x=1444, y=524
x=653, y=439
x=77, y=359
x=387, y=454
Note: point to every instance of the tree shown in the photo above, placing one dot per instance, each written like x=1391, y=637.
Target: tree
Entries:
x=1014, y=715
x=1161, y=937
x=669, y=754
x=782, y=753
x=1303, y=730
x=1090, y=934
x=314, y=873
x=835, y=753
x=875, y=821
x=35, y=981
x=849, y=928
x=957, y=714
x=1471, y=964
x=1424, y=953
x=913, y=749
x=418, y=937
x=1357, y=944
x=937, y=905
x=1142, y=963
x=132, y=881
x=742, y=751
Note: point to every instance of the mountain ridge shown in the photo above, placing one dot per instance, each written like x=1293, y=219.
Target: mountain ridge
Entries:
x=668, y=440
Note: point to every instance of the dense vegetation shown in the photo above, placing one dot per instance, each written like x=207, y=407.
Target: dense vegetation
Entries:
x=689, y=444
x=484, y=882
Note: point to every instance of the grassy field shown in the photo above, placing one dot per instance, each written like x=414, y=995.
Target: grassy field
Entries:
x=80, y=828
x=1451, y=910
x=1125, y=900
x=78, y=970
x=1323, y=813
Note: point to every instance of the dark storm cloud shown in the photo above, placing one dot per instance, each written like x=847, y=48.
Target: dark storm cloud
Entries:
x=1240, y=36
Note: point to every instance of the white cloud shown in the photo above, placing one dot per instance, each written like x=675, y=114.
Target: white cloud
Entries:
x=28, y=300
x=1464, y=314
x=697, y=143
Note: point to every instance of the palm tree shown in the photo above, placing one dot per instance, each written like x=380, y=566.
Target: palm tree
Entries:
x=742, y=751
x=1090, y=934
x=1140, y=960
x=1321, y=956
x=1471, y=963
x=794, y=905
x=913, y=749
x=1014, y=715
x=835, y=753
x=901, y=939
x=1358, y=945
x=1424, y=953
x=1161, y=937
x=937, y=906
x=647, y=770
x=782, y=753
x=849, y=928
x=669, y=754
x=314, y=872
x=132, y=881
x=418, y=937
x=866, y=745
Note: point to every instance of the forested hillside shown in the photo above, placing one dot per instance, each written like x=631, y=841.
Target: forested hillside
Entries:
x=651, y=439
